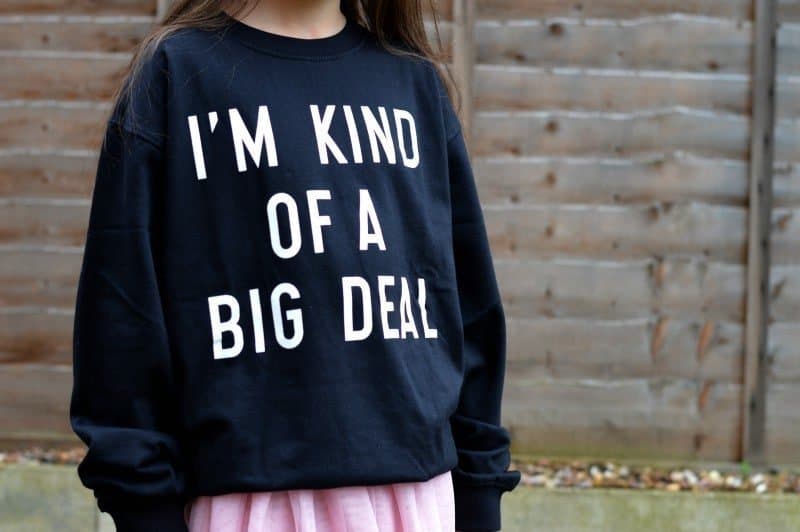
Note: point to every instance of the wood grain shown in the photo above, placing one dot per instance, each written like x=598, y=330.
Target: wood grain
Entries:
x=613, y=9
x=630, y=418
x=35, y=401
x=106, y=7
x=509, y=87
x=47, y=173
x=659, y=346
x=36, y=335
x=667, y=43
x=675, y=177
x=72, y=33
x=60, y=76
x=568, y=133
x=52, y=125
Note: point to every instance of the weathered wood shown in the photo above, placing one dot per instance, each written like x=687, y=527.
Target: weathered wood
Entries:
x=784, y=293
x=35, y=399
x=782, y=423
x=78, y=33
x=661, y=229
x=788, y=11
x=464, y=60
x=161, y=7
x=43, y=221
x=79, y=125
x=620, y=232
x=507, y=87
x=693, y=290
x=39, y=276
x=35, y=335
x=754, y=391
x=611, y=9
x=784, y=352
x=39, y=173
x=600, y=232
x=637, y=348
x=614, y=181
x=106, y=7
x=60, y=76
x=622, y=134
x=671, y=177
x=49, y=124
x=785, y=135
x=697, y=44
x=669, y=418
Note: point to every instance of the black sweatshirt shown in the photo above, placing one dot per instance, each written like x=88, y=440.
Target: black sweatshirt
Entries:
x=286, y=282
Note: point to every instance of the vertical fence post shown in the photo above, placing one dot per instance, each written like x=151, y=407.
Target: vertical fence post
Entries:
x=759, y=223
x=464, y=14
x=161, y=8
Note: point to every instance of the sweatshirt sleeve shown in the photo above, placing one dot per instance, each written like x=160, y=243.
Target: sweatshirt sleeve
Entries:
x=123, y=403
x=481, y=475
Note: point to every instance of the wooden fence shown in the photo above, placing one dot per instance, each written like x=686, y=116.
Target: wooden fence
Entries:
x=614, y=143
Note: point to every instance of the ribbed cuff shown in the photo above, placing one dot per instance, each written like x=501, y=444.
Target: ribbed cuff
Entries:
x=163, y=516
x=477, y=508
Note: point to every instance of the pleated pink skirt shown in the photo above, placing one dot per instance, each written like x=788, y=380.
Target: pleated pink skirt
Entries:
x=426, y=506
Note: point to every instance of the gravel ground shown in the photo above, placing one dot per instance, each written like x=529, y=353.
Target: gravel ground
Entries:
x=546, y=473
x=589, y=474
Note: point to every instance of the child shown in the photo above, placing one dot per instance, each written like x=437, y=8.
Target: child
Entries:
x=287, y=316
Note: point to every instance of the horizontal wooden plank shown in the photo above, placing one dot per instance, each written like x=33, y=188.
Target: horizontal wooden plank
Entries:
x=501, y=181
x=508, y=87
x=670, y=177
x=601, y=232
x=672, y=43
x=562, y=348
x=788, y=48
x=47, y=173
x=620, y=232
x=637, y=348
x=783, y=423
x=36, y=335
x=788, y=11
x=569, y=133
x=39, y=276
x=693, y=290
x=787, y=133
x=109, y=7
x=48, y=125
x=785, y=293
x=60, y=76
x=79, y=125
x=43, y=221
x=784, y=352
x=637, y=418
x=616, y=9
x=64, y=33
x=35, y=399
x=661, y=229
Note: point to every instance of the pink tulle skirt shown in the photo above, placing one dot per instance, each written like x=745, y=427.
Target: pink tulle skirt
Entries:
x=402, y=507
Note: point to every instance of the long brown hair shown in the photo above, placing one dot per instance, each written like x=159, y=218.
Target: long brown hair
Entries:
x=391, y=21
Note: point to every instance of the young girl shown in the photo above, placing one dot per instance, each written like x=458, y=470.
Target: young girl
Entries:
x=287, y=316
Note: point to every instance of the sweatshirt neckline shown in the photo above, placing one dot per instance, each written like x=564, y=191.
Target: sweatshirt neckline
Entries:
x=347, y=39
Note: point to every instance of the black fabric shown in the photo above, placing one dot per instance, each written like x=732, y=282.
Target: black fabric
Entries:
x=287, y=282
